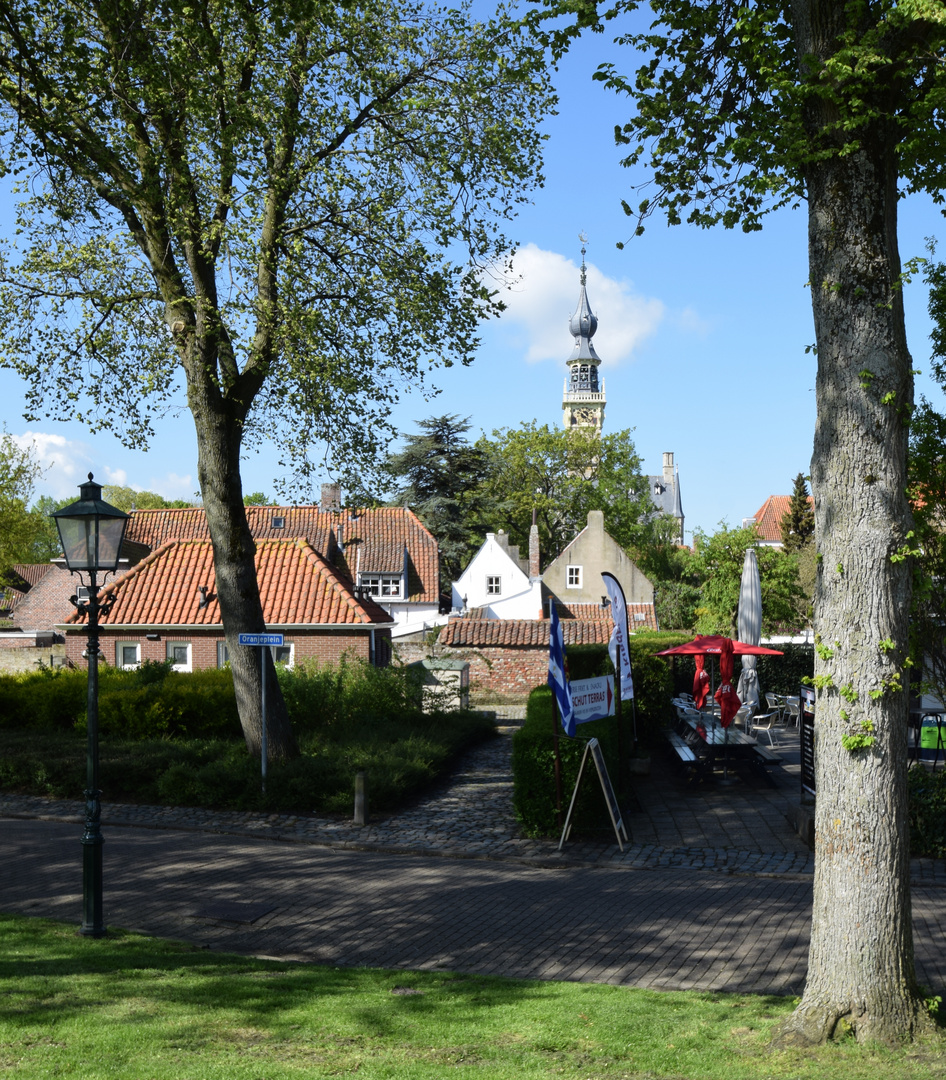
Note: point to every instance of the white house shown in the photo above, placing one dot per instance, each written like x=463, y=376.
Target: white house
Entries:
x=498, y=583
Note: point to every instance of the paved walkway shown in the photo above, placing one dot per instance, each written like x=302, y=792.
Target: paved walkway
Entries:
x=723, y=901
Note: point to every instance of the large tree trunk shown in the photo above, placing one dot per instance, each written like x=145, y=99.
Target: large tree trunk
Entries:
x=861, y=969
x=218, y=465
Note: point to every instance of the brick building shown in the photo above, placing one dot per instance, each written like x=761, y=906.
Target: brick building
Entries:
x=165, y=609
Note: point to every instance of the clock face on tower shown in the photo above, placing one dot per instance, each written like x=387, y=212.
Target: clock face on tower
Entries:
x=584, y=416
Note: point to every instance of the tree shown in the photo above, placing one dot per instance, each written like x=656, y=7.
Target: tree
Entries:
x=126, y=498
x=562, y=473
x=284, y=205
x=19, y=470
x=718, y=566
x=444, y=475
x=740, y=108
x=798, y=524
x=928, y=496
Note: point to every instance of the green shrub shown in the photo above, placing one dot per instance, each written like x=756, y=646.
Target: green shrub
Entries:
x=533, y=768
x=927, y=812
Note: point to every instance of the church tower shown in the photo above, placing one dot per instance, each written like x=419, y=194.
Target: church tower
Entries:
x=583, y=402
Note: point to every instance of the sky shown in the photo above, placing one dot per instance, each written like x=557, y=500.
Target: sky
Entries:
x=702, y=336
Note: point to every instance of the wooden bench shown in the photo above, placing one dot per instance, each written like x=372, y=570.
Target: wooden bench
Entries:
x=763, y=760
x=693, y=762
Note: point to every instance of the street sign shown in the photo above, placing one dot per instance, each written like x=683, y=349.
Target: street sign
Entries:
x=263, y=640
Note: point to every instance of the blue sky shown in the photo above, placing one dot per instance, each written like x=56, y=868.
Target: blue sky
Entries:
x=702, y=335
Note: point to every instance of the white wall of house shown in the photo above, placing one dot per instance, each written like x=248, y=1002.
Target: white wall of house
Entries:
x=494, y=582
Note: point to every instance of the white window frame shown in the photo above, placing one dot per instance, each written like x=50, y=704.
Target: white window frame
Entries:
x=382, y=586
x=290, y=661
x=573, y=577
x=185, y=665
x=120, y=647
x=223, y=656
x=494, y=585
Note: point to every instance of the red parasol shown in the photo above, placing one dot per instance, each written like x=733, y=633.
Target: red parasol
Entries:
x=713, y=644
x=700, y=682
x=726, y=697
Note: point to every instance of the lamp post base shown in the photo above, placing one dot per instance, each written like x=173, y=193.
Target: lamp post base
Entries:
x=93, y=920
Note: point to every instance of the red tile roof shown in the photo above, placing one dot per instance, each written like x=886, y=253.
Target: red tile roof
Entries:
x=768, y=517
x=32, y=572
x=595, y=612
x=297, y=588
x=528, y=633
x=353, y=541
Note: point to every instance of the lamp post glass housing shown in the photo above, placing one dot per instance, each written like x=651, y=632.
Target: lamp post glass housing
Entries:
x=91, y=532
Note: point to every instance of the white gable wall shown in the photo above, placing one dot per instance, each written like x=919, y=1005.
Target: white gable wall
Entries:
x=517, y=598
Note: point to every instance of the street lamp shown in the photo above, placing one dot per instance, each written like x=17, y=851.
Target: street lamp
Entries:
x=91, y=532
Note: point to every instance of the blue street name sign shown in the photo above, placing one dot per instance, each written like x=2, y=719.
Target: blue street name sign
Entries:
x=261, y=639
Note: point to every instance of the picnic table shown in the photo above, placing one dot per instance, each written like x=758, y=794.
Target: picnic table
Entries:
x=702, y=743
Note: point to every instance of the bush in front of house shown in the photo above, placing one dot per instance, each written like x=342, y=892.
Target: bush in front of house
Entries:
x=533, y=756
x=175, y=739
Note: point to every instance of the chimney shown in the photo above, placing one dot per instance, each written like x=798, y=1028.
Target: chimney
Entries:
x=668, y=469
x=535, y=571
x=332, y=496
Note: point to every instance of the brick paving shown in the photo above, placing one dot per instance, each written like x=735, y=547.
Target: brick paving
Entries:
x=712, y=893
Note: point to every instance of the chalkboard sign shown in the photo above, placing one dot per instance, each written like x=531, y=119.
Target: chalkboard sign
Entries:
x=806, y=730
x=593, y=747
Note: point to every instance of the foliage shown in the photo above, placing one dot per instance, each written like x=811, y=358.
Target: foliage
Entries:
x=173, y=738
x=798, y=524
x=532, y=747
x=927, y=812
x=718, y=564
x=677, y=604
x=440, y=477
x=126, y=498
x=927, y=465
x=284, y=207
x=784, y=674
x=19, y=470
x=562, y=474
x=275, y=195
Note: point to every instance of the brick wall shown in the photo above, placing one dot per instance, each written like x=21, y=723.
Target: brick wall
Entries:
x=327, y=647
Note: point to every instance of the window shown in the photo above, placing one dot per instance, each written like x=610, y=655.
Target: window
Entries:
x=283, y=654
x=381, y=585
x=493, y=585
x=179, y=655
x=279, y=523
x=127, y=654
x=574, y=577
x=223, y=657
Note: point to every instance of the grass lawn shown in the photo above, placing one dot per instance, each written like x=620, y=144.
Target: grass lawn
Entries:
x=143, y=1009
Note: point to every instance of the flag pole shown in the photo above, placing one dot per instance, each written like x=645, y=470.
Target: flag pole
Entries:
x=557, y=754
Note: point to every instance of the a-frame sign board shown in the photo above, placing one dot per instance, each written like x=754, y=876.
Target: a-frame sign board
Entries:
x=593, y=748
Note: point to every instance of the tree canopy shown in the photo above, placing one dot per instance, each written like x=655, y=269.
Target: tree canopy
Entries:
x=441, y=477
x=798, y=524
x=285, y=207
x=19, y=528
x=562, y=473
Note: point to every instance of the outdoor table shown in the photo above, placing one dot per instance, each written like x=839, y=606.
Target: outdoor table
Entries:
x=736, y=746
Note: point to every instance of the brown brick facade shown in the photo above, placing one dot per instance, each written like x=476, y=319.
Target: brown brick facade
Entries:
x=327, y=646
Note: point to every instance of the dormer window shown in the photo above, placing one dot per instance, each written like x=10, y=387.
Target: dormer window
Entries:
x=382, y=586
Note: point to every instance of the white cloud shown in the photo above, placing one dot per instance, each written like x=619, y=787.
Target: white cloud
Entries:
x=65, y=462
x=173, y=486
x=543, y=295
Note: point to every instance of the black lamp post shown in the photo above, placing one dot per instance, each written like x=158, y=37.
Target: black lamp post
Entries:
x=91, y=532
